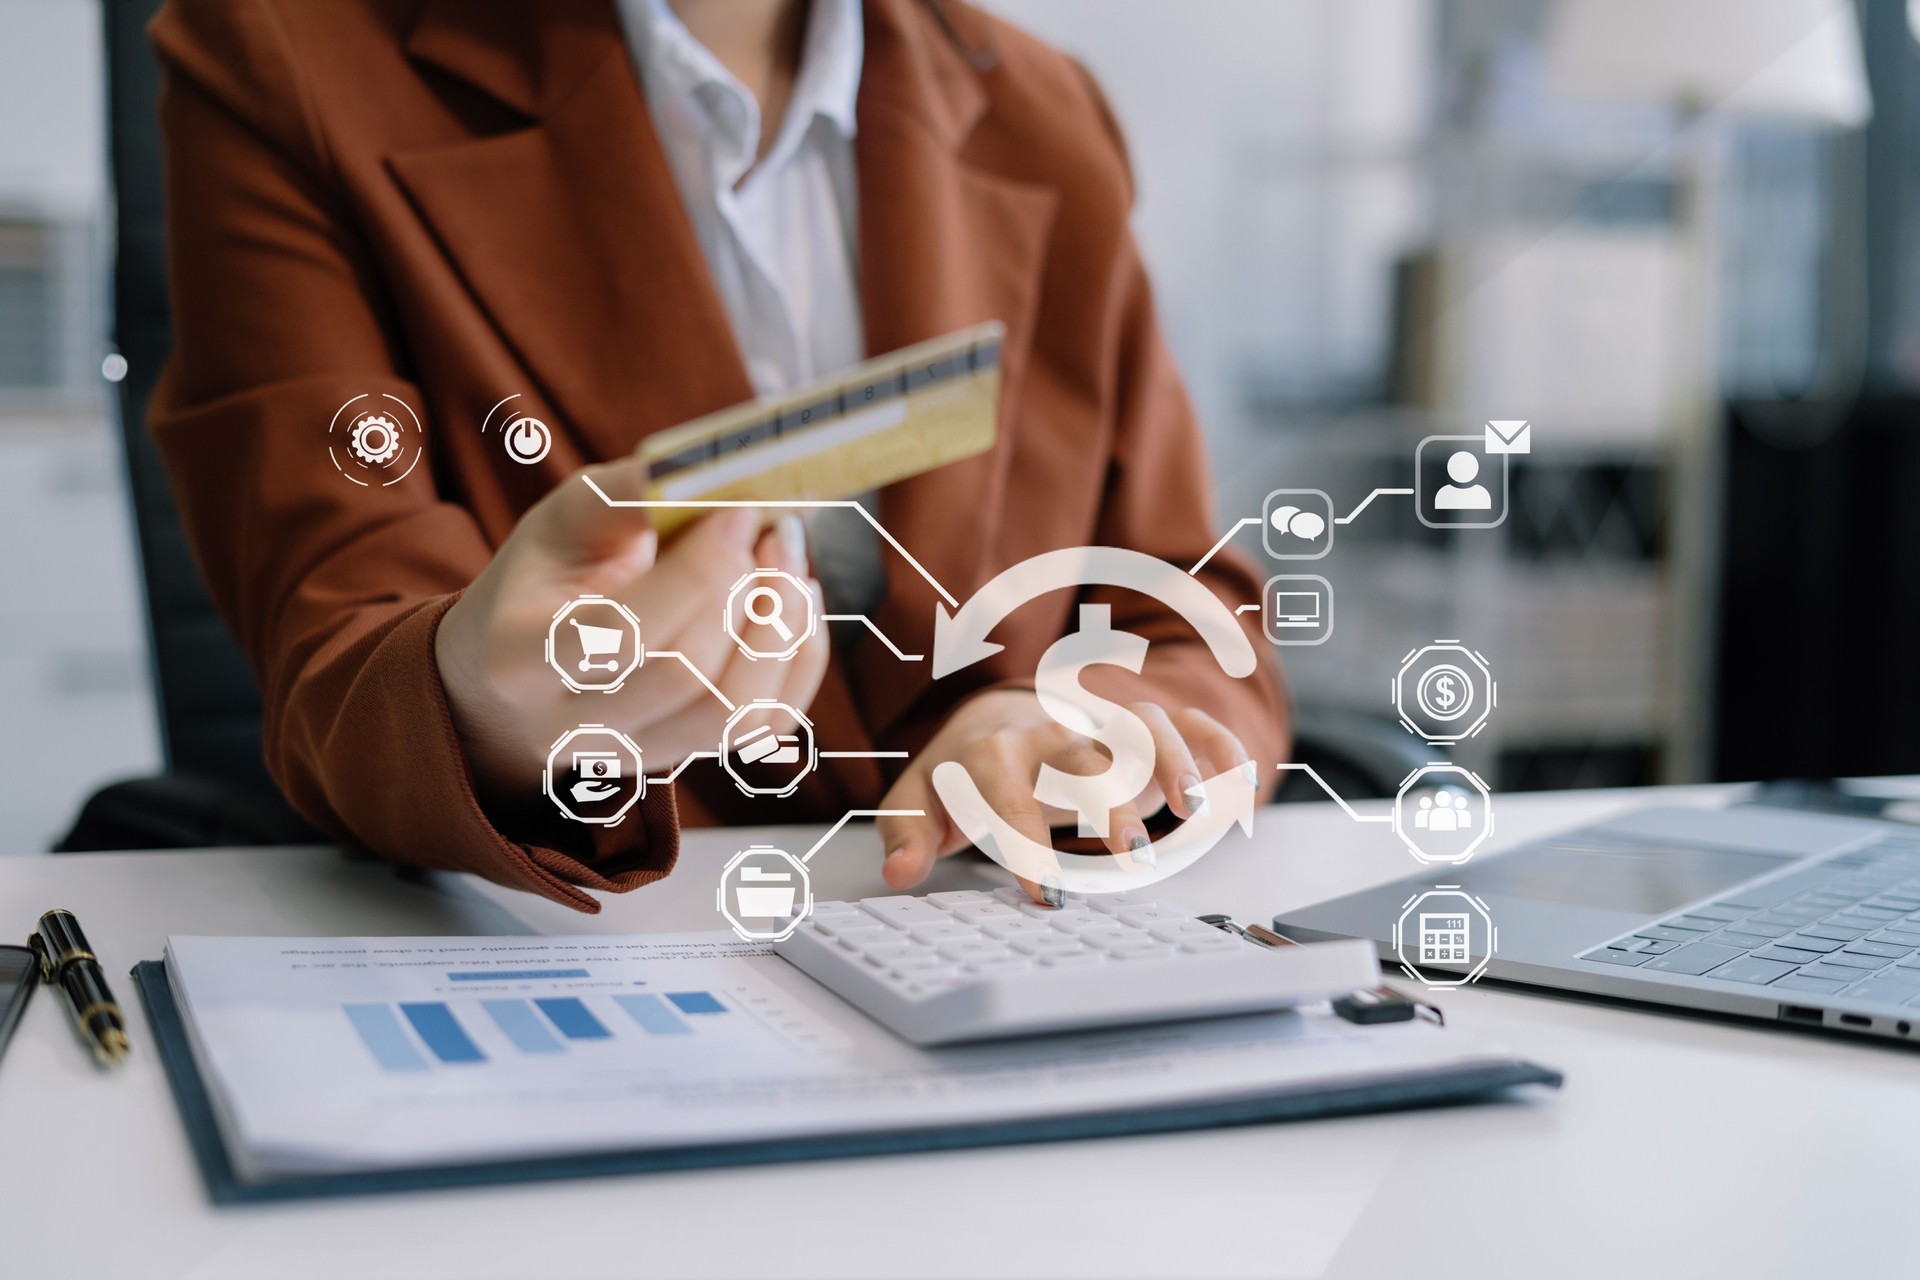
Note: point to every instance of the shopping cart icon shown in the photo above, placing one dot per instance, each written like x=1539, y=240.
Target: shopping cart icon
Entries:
x=773, y=896
x=598, y=642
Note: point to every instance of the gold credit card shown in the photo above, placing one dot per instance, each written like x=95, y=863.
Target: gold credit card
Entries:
x=893, y=417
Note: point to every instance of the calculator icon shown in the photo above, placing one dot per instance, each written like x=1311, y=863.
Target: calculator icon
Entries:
x=1442, y=938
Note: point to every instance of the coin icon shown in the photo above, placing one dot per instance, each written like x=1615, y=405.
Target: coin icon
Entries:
x=1444, y=692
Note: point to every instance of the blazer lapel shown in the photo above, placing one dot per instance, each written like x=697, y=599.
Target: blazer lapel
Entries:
x=945, y=242
x=570, y=232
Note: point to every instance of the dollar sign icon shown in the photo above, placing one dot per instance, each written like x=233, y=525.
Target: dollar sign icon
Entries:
x=1445, y=692
x=1124, y=735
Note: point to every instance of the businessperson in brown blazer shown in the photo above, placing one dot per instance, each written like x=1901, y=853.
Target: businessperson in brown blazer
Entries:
x=451, y=201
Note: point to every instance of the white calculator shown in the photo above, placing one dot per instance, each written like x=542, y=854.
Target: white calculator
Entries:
x=974, y=965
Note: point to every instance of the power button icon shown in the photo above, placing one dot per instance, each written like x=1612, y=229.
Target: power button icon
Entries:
x=528, y=440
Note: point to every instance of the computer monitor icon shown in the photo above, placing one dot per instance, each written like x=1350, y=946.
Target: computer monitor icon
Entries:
x=1296, y=608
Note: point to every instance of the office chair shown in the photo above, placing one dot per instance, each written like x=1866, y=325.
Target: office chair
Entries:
x=216, y=790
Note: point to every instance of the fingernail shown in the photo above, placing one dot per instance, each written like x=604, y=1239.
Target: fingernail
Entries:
x=1194, y=793
x=1251, y=772
x=1142, y=849
x=793, y=539
x=1051, y=893
x=899, y=852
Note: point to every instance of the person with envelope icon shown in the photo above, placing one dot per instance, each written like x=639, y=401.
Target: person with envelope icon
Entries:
x=1509, y=437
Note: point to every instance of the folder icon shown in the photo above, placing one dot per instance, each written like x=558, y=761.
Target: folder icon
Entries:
x=1509, y=437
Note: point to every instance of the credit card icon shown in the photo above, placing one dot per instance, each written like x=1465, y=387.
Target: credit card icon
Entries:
x=764, y=746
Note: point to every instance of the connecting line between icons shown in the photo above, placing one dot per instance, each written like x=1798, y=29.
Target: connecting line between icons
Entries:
x=682, y=767
x=851, y=814
x=1248, y=608
x=865, y=514
x=1225, y=538
x=1364, y=503
x=698, y=674
x=861, y=617
x=863, y=755
x=1335, y=795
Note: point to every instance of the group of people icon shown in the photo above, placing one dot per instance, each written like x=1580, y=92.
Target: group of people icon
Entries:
x=1446, y=811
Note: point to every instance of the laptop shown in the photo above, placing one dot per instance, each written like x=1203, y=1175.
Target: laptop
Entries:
x=1774, y=914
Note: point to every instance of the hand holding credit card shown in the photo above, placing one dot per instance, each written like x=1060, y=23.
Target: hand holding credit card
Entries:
x=891, y=418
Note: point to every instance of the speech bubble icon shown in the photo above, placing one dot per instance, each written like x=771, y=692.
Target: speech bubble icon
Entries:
x=1281, y=516
x=1308, y=525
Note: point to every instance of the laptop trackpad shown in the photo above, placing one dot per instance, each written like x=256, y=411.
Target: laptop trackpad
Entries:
x=1641, y=878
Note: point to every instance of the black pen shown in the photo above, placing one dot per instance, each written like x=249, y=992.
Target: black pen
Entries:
x=67, y=962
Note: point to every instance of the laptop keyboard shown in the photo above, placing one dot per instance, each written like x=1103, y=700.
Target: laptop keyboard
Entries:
x=1849, y=926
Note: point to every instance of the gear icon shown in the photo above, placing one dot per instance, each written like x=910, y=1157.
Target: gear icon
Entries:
x=375, y=440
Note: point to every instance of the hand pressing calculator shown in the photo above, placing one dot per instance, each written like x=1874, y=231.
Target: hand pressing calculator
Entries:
x=975, y=965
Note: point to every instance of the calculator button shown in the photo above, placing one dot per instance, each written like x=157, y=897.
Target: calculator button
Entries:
x=982, y=950
x=1067, y=959
x=1046, y=945
x=951, y=898
x=1019, y=928
x=1144, y=916
x=885, y=953
x=1151, y=951
x=1218, y=942
x=902, y=910
x=860, y=939
x=1107, y=938
x=1114, y=903
x=945, y=931
x=1040, y=911
x=1179, y=930
x=1079, y=922
x=998, y=968
x=975, y=912
x=827, y=910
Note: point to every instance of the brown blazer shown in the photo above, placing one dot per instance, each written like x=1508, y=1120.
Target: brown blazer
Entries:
x=455, y=200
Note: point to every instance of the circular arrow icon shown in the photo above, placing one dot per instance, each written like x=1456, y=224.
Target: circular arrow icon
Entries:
x=959, y=640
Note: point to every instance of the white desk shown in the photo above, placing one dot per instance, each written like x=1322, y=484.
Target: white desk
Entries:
x=1678, y=1146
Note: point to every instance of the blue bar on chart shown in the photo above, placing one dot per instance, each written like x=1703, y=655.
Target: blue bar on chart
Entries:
x=696, y=1002
x=572, y=1018
x=384, y=1037
x=442, y=1032
x=522, y=1025
x=652, y=1014
x=513, y=975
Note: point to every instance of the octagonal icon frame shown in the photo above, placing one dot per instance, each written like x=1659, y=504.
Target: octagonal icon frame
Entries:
x=750, y=581
x=639, y=774
x=1455, y=893
x=794, y=920
x=631, y=622
x=811, y=755
x=1408, y=834
x=1472, y=664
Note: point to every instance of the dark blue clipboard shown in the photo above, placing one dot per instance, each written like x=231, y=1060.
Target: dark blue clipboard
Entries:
x=224, y=1186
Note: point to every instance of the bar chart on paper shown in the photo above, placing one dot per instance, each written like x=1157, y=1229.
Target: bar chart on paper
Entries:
x=420, y=1035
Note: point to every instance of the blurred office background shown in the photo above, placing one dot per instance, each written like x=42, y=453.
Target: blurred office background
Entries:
x=1681, y=237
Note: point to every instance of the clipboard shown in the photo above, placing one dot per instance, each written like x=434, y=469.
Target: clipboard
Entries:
x=1476, y=1082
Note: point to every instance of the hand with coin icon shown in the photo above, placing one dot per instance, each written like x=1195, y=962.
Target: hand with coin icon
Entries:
x=509, y=706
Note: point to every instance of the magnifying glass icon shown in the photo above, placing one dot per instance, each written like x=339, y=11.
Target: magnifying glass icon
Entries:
x=770, y=615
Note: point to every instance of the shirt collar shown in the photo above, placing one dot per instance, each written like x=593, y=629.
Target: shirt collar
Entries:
x=673, y=63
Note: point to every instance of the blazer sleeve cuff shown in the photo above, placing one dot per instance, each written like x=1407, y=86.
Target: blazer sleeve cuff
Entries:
x=423, y=809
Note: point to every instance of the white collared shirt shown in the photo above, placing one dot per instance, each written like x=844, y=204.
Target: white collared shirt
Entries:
x=782, y=245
